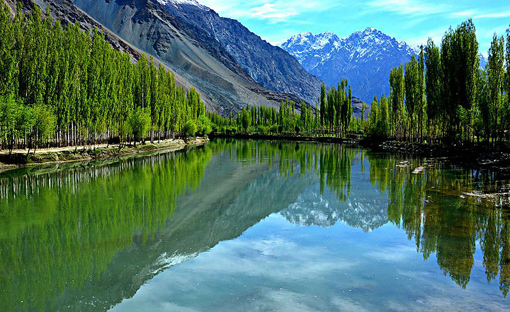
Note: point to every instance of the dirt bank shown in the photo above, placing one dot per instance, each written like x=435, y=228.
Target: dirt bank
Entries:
x=21, y=158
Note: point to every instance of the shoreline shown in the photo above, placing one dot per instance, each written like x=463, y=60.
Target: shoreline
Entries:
x=53, y=156
x=479, y=156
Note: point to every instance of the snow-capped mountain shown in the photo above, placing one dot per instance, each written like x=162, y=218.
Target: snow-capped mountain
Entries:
x=364, y=58
x=365, y=208
x=184, y=2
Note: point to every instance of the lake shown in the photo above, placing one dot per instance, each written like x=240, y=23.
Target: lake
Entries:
x=255, y=226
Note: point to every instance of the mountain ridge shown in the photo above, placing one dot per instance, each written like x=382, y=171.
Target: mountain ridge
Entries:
x=146, y=27
x=364, y=57
x=270, y=66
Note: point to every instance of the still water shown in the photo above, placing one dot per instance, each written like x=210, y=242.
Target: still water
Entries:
x=255, y=226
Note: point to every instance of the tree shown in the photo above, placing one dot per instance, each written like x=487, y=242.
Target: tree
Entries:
x=495, y=75
x=412, y=90
x=323, y=103
x=45, y=125
x=190, y=128
x=421, y=93
x=374, y=118
x=140, y=122
x=460, y=60
x=383, y=118
x=11, y=116
x=204, y=126
x=433, y=84
x=506, y=124
x=8, y=52
x=397, y=97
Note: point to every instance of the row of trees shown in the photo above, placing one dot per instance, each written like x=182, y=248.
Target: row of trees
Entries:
x=61, y=85
x=289, y=118
x=336, y=107
x=444, y=95
x=335, y=117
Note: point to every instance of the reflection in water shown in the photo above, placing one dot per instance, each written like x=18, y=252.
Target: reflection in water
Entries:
x=58, y=230
x=85, y=239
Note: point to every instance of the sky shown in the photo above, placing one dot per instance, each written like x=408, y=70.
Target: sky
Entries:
x=413, y=21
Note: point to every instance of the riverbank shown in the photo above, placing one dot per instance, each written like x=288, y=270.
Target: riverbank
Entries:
x=21, y=158
x=478, y=156
x=298, y=138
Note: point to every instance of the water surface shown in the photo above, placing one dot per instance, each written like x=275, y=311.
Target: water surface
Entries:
x=255, y=226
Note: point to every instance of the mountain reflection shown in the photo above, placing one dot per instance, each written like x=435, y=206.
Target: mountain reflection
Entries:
x=83, y=239
x=433, y=207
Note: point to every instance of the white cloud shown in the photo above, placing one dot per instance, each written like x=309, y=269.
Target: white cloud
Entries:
x=467, y=13
x=393, y=254
x=409, y=7
x=435, y=34
x=494, y=15
x=274, y=11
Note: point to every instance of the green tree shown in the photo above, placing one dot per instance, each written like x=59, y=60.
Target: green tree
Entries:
x=190, y=128
x=45, y=125
x=140, y=122
x=383, y=118
x=495, y=75
x=412, y=90
x=433, y=84
x=397, y=97
x=374, y=117
x=323, y=104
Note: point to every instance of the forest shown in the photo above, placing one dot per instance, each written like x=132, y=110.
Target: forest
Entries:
x=62, y=86
x=442, y=96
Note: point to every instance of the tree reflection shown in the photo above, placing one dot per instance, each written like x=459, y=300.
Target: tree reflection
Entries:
x=59, y=229
x=431, y=206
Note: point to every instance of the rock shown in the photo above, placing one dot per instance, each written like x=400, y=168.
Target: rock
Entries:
x=418, y=170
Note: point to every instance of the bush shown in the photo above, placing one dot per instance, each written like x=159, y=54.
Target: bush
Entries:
x=190, y=128
x=140, y=122
x=204, y=126
x=262, y=129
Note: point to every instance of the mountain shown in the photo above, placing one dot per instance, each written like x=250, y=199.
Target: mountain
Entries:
x=364, y=58
x=483, y=61
x=363, y=209
x=270, y=66
x=192, y=53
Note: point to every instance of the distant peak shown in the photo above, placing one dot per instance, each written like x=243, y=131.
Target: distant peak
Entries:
x=304, y=34
x=183, y=2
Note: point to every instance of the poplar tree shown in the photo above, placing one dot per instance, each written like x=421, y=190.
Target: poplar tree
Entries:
x=323, y=104
x=507, y=85
x=397, y=96
x=495, y=75
x=412, y=90
x=433, y=84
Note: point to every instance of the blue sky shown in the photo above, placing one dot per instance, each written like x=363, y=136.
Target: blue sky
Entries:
x=410, y=20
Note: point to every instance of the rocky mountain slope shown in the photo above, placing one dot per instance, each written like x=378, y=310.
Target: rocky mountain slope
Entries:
x=270, y=66
x=364, y=58
x=146, y=26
